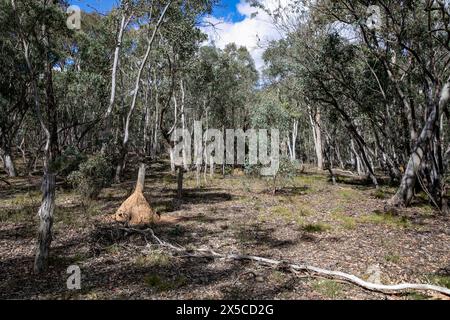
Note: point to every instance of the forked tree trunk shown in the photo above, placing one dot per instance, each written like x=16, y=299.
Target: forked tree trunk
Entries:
x=405, y=193
x=143, y=63
x=107, y=123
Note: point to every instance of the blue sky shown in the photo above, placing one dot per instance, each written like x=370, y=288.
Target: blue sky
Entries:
x=234, y=22
x=226, y=9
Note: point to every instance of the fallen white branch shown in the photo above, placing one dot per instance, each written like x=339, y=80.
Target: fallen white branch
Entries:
x=206, y=253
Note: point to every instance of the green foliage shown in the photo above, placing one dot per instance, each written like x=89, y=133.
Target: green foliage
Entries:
x=69, y=161
x=286, y=174
x=252, y=170
x=440, y=280
x=92, y=176
x=270, y=112
x=380, y=194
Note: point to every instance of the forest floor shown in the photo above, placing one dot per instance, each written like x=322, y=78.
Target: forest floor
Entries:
x=341, y=227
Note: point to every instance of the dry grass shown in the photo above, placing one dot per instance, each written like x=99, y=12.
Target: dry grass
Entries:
x=340, y=227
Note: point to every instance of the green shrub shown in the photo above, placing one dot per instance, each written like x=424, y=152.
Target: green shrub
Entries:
x=285, y=175
x=252, y=170
x=69, y=161
x=92, y=176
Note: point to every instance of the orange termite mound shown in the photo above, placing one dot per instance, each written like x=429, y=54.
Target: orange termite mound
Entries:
x=136, y=210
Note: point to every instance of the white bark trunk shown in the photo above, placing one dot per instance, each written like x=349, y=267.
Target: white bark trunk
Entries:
x=294, y=141
x=123, y=24
x=405, y=193
x=140, y=184
x=317, y=135
x=143, y=63
x=183, y=122
x=8, y=163
x=172, y=160
x=9, y=166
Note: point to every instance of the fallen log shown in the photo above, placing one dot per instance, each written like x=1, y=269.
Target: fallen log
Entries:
x=389, y=289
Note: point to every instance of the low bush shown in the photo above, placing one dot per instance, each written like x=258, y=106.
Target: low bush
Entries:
x=92, y=176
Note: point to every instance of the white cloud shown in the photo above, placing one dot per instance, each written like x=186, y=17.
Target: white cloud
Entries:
x=254, y=32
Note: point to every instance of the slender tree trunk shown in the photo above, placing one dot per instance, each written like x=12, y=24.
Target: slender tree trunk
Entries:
x=172, y=160
x=107, y=126
x=51, y=146
x=206, y=160
x=317, y=135
x=180, y=183
x=183, y=122
x=46, y=222
x=49, y=186
x=223, y=163
x=175, y=121
x=147, y=115
x=156, y=124
x=211, y=167
x=143, y=63
x=140, y=183
x=294, y=140
x=22, y=148
x=197, y=174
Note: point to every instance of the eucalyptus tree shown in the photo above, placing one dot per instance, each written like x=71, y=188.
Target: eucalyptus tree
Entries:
x=162, y=23
x=36, y=25
x=411, y=44
x=385, y=80
x=81, y=83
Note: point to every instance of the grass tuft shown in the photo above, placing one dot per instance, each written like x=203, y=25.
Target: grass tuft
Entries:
x=329, y=288
x=160, y=284
x=316, y=227
x=387, y=218
x=154, y=259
